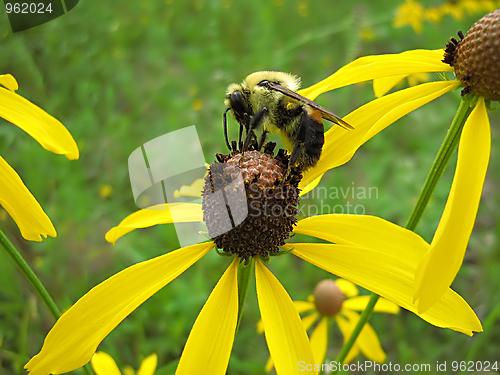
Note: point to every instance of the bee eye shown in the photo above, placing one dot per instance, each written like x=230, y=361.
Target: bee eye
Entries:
x=238, y=104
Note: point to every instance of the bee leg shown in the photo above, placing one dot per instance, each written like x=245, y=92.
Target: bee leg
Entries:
x=262, y=140
x=225, y=128
x=254, y=123
x=294, y=156
x=240, y=143
x=293, y=159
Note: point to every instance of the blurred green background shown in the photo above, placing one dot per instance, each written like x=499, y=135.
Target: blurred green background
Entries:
x=120, y=74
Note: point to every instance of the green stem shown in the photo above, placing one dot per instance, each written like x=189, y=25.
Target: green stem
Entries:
x=245, y=270
x=443, y=157
x=363, y=319
x=34, y=281
x=447, y=149
x=30, y=275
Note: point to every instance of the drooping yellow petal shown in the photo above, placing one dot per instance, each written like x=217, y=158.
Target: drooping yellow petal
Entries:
x=307, y=323
x=75, y=336
x=286, y=338
x=360, y=303
x=367, y=341
x=300, y=306
x=159, y=214
x=44, y=128
x=9, y=82
x=347, y=327
x=441, y=263
x=340, y=145
x=18, y=201
x=372, y=67
x=209, y=344
x=319, y=340
x=389, y=274
x=148, y=366
x=347, y=288
x=104, y=364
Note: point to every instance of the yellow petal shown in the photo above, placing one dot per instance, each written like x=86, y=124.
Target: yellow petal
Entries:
x=347, y=288
x=382, y=85
x=346, y=327
x=410, y=13
x=269, y=364
x=148, y=366
x=286, y=338
x=104, y=364
x=9, y=82
x=372, y=67
x=193, y=190
x=209, y=344
x=340, y=145
x=303, y=306
x=310, y=185
x=382, y=305
x=308, y=321
x=445, y=256
x=367, y=341
x=390, y=275
x=18, y=201
x=44, y=128
x=365, y=231
x=159, y=214
x=75, y=336
x=319, y=340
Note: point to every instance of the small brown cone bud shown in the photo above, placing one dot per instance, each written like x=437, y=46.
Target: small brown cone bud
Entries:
x=328, y=298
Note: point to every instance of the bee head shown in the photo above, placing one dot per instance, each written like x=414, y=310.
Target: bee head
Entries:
x=237, y=99
x=246, y=98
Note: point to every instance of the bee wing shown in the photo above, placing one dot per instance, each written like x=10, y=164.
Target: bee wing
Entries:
x=326, y=114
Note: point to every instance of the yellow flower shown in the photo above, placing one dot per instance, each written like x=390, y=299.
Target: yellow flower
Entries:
x=410, y=13
x=439, y=266
x=332, y=304
x=15, y=197
x=371, y=252
x=103, y=364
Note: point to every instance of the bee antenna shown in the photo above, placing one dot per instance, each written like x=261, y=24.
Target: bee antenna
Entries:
x=225, y=128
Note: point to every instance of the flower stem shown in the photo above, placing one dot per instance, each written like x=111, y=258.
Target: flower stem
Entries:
x=34, y=281
x=447, y=149
x=30, y=275
x=363, y=319
x=245, y=270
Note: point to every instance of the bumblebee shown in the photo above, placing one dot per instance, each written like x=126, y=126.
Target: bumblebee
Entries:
x=268, y=100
